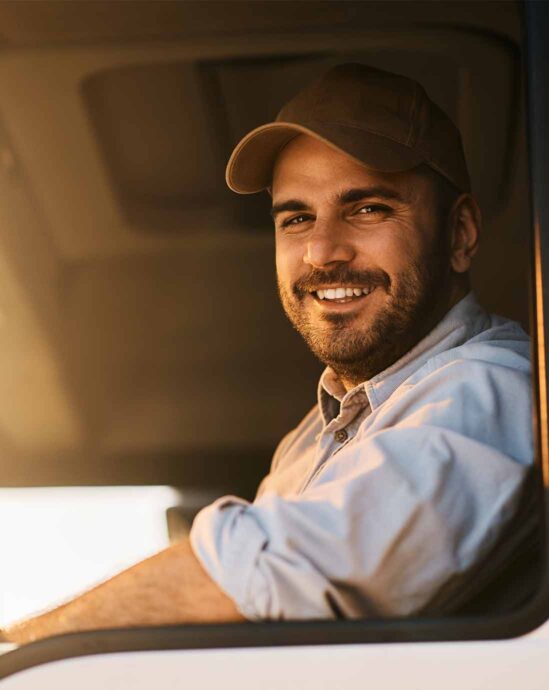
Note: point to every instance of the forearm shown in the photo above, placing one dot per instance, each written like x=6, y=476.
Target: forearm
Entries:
x=168, y=588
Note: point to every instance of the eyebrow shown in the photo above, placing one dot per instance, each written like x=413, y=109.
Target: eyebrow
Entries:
x=347, y=197
x=290, y=205
x=379, y=191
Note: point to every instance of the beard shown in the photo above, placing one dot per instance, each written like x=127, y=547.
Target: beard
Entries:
x=416, y=301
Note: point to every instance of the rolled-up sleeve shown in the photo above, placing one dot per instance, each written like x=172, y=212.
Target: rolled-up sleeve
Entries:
x=228, y=540
x=258, y=558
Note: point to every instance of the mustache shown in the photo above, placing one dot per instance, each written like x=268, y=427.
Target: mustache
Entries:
x=340, y=276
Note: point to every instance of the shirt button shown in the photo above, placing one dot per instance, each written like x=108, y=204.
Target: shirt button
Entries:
x=341, y=435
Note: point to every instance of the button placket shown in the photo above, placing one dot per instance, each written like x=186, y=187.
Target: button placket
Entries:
x=348, y=414
x=341, y=435
x=326, y=438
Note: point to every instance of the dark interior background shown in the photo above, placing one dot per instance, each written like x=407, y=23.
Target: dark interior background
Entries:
x=141, y=339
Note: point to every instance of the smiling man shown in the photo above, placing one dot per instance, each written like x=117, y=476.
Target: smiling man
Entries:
x=392, y=493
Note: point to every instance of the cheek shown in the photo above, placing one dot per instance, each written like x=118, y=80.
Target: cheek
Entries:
x=391, y=248
x=288, y=261
x=280, y=264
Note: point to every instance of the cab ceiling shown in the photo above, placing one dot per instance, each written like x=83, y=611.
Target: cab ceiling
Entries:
x=140, y=336
x=27, y=23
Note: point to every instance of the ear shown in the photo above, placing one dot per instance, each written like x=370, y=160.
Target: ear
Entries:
x=465, y=220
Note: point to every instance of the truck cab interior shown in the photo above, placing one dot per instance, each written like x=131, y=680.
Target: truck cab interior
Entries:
x=142, y=342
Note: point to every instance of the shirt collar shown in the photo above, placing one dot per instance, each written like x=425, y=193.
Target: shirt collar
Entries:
x=462, y=322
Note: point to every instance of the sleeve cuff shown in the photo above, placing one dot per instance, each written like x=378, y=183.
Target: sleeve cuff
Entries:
x=227, y=540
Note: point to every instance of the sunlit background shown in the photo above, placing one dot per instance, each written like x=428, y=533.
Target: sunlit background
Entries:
x=56, y=542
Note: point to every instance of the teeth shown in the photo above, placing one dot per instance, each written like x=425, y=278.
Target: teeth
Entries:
x=341, y=292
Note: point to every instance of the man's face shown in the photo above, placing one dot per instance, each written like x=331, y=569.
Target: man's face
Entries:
x=376, y=239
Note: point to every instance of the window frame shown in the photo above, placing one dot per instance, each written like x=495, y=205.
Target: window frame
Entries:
x=491, y=627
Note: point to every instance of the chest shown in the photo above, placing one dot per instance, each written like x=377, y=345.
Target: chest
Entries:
x=312, y=448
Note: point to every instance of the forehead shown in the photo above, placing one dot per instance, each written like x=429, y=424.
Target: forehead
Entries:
x=309, y=167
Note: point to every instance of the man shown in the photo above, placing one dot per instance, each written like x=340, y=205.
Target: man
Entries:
x=404, y=476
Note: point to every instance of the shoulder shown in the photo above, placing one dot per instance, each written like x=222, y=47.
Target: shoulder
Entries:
x=503, y=344
x=502, y=348
x=480, y=390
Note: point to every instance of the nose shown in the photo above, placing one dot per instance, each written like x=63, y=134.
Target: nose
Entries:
x=328, y=244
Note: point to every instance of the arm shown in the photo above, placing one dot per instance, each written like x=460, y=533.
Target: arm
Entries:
x=166, y=589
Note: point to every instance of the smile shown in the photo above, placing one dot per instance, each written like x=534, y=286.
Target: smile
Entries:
x=342, y=294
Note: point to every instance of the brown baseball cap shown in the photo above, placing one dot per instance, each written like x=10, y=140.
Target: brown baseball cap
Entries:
x=384, y=121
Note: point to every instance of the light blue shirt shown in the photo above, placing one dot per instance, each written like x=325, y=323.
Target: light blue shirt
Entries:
x=384, y=495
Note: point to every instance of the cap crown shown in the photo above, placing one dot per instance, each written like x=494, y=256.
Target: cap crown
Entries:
x=385, y=104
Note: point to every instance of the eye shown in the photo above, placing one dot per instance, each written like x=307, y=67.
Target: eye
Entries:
x=295, y=220
x=371, y=210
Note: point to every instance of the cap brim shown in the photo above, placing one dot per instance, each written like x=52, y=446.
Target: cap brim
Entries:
x=250, y=167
